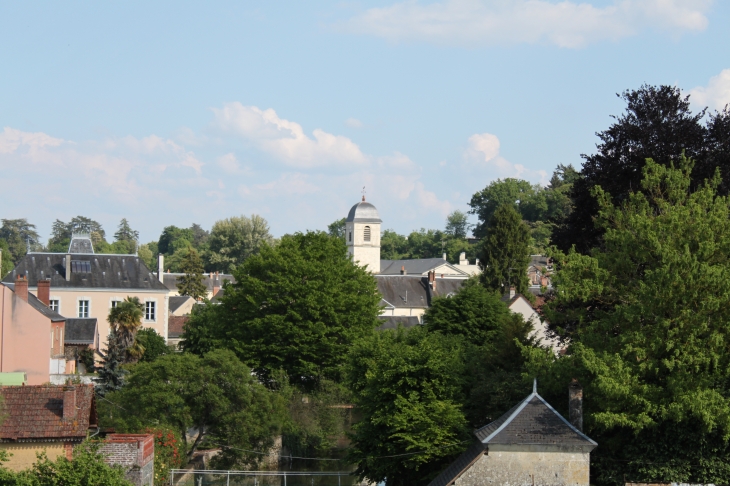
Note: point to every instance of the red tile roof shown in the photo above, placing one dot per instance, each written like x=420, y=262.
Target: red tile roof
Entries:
x=36, y=413
x=176, y=326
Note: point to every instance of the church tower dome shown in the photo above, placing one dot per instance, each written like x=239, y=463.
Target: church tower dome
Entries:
x=362, y=235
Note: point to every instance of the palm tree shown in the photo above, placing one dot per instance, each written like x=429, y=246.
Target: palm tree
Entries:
x=125, y=319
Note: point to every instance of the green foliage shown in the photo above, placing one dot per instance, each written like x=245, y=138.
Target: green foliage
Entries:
x=125, y=319
x=505, y=252
x=424, y=244
x=153, y=344
x=233, y=240
x=408, y=389
x=7, y=259
x=647, y=316
x=148, y=256
x=170, y=239
x=393, y=246
x=111, y=373
x=126, y=233
x=457, y=224
x=86, y=357
x=169, y=452
x=517, y=193
x=191, y=282
x=86, y=469
x=18, y=234
x=214, y=394
x=337, y=229
x=297, y=307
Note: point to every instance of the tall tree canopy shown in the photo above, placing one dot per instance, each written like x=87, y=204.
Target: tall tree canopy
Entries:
x=297, y=306
x=650, y=331
x=191, y=282
x=125, y=319
x=233, y=240
x=505, y=252
x=457, y=224
x=18, y=234
x=659, y=124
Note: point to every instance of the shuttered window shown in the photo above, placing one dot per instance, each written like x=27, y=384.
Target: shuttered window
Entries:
x=367, y=233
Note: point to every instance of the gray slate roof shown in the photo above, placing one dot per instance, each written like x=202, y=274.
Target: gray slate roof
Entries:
x=459, y=466
x=392, y=322
x=415, y=267
x=414, y=291
x=81, y=244
x=106, y=271
x=210, y=281
x=363, y=212
x=176, y=301
x=80, y=331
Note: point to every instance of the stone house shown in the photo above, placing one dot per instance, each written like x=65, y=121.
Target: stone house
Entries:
x=530, y=444
x=519, y=304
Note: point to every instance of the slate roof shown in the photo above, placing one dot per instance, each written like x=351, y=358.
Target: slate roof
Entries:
x=81, y=244
x=36, y=413
x=417, y=267
x=459, y=466
x=392, y=322
x=80, y=331
x=210, y=281
x=363, y=212
x=176, y=301
x=105, y=271
x=413, y=291
x=176, y=326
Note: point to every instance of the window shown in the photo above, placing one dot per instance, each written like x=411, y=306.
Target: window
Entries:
x=149, y=311
x=54, y=305
x=367, y=233
x=114, y=304
x=78, y=266
x=350, y=235
x=83, y=308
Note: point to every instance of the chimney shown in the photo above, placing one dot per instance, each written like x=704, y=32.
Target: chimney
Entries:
x=21, y=287
x=68, y=267
x=462, y=259
x=216, y=284
x=69, y=403
x=512, y=292
x=444, y=256
x=575, y=404
x=44, y=291
x=403, y=270
x=160, y=266
x=432, y=279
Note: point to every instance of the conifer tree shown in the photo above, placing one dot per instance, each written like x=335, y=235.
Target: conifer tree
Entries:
x=111, y=374
x=191, y=283
x=505, y=252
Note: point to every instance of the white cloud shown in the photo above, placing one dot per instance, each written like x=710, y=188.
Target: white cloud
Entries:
x=228, y=163
x=565, y=24
x=12, y=139
x=286, y=140
x=483, y=152
x=353, y=123
x=716, y=94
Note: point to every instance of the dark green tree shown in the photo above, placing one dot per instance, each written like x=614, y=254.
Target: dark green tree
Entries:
x=7, y=263
x=153, y=344
x=19, y=234
x=174, y=238
x=649, y=332
x=505, y=252
x=297, y=306
x=233, y=240
x=337, y=229
x=125, y=320
x=110, y=375
x=191, y=282
x=126, y=238
x=393, y=246
x=527, y=198
x=214, y=394
x=457, y=224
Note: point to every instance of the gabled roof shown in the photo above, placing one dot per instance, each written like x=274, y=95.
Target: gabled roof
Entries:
x=176, y=326
x=177, y=300
x=36, y=413
x=420, y=267
x=125, y=272
x=459, y=466
x=80, y=331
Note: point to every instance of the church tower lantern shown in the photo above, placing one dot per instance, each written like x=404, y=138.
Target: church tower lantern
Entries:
x=362, y=235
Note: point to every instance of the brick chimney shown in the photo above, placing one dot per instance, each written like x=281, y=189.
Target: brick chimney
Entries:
x=44, y=291
x=69, y=402
x=432, y=279
x=403, y=270
x=21, y=287
x=575, y=404
x=216, y=283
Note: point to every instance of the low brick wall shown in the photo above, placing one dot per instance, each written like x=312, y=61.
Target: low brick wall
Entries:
x=135, y=453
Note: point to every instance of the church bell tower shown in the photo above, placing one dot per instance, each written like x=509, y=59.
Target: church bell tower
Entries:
x=362, y=235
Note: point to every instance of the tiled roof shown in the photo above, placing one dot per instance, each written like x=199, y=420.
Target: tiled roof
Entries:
x=80, y=331
x=104, y=271
x=176, y=326
x=459, y=466
x=392, y=322
x=36, y=413
x=414, y=291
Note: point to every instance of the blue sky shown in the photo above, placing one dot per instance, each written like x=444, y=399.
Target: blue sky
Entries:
x=181, y=112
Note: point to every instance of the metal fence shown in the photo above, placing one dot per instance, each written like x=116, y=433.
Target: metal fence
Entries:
x=188, y=477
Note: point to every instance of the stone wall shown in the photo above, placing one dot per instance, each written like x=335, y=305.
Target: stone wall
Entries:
x=135, y=453
x=537, y=465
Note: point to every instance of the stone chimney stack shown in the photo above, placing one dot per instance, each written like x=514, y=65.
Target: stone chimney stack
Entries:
x=68, y=267
x=444, y=256
x=44, y=291
x=432, y=279
x=512, y=292
x=216, y=283
x=575, y=404
x=21, y=287
x=462, y=259
x=69, y=403
x=160, y=266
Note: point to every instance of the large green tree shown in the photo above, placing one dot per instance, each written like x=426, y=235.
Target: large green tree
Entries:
x=505, y=252
x=527, y=198
x=216, y=395
x=297, y=306
x=19, y=234
x=191, y=282
x=457, y=224
x=125, y=319
x=233, y=240
x=650, y=333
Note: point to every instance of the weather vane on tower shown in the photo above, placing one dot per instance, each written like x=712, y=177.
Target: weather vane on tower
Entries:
x=363, y=193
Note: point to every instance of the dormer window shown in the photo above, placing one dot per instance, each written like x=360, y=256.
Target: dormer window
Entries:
x=367, y=233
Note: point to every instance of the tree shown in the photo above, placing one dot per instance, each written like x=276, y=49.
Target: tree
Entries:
x=125, y=319
x=111, y=373
x=393, y=246
x=528, y=199
x=235, y=239
x=191, y=282
x=127, y=235
x=298, y=306
x=6, y=265
x=650, y=331
x=407, y=386
x=505, y=253
x=215, y=395
x=19, y=234
x=337, y=229
x=457, y=224
x=658, y=123
x=149, y=257
x=170, y=239
x=153, y=344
